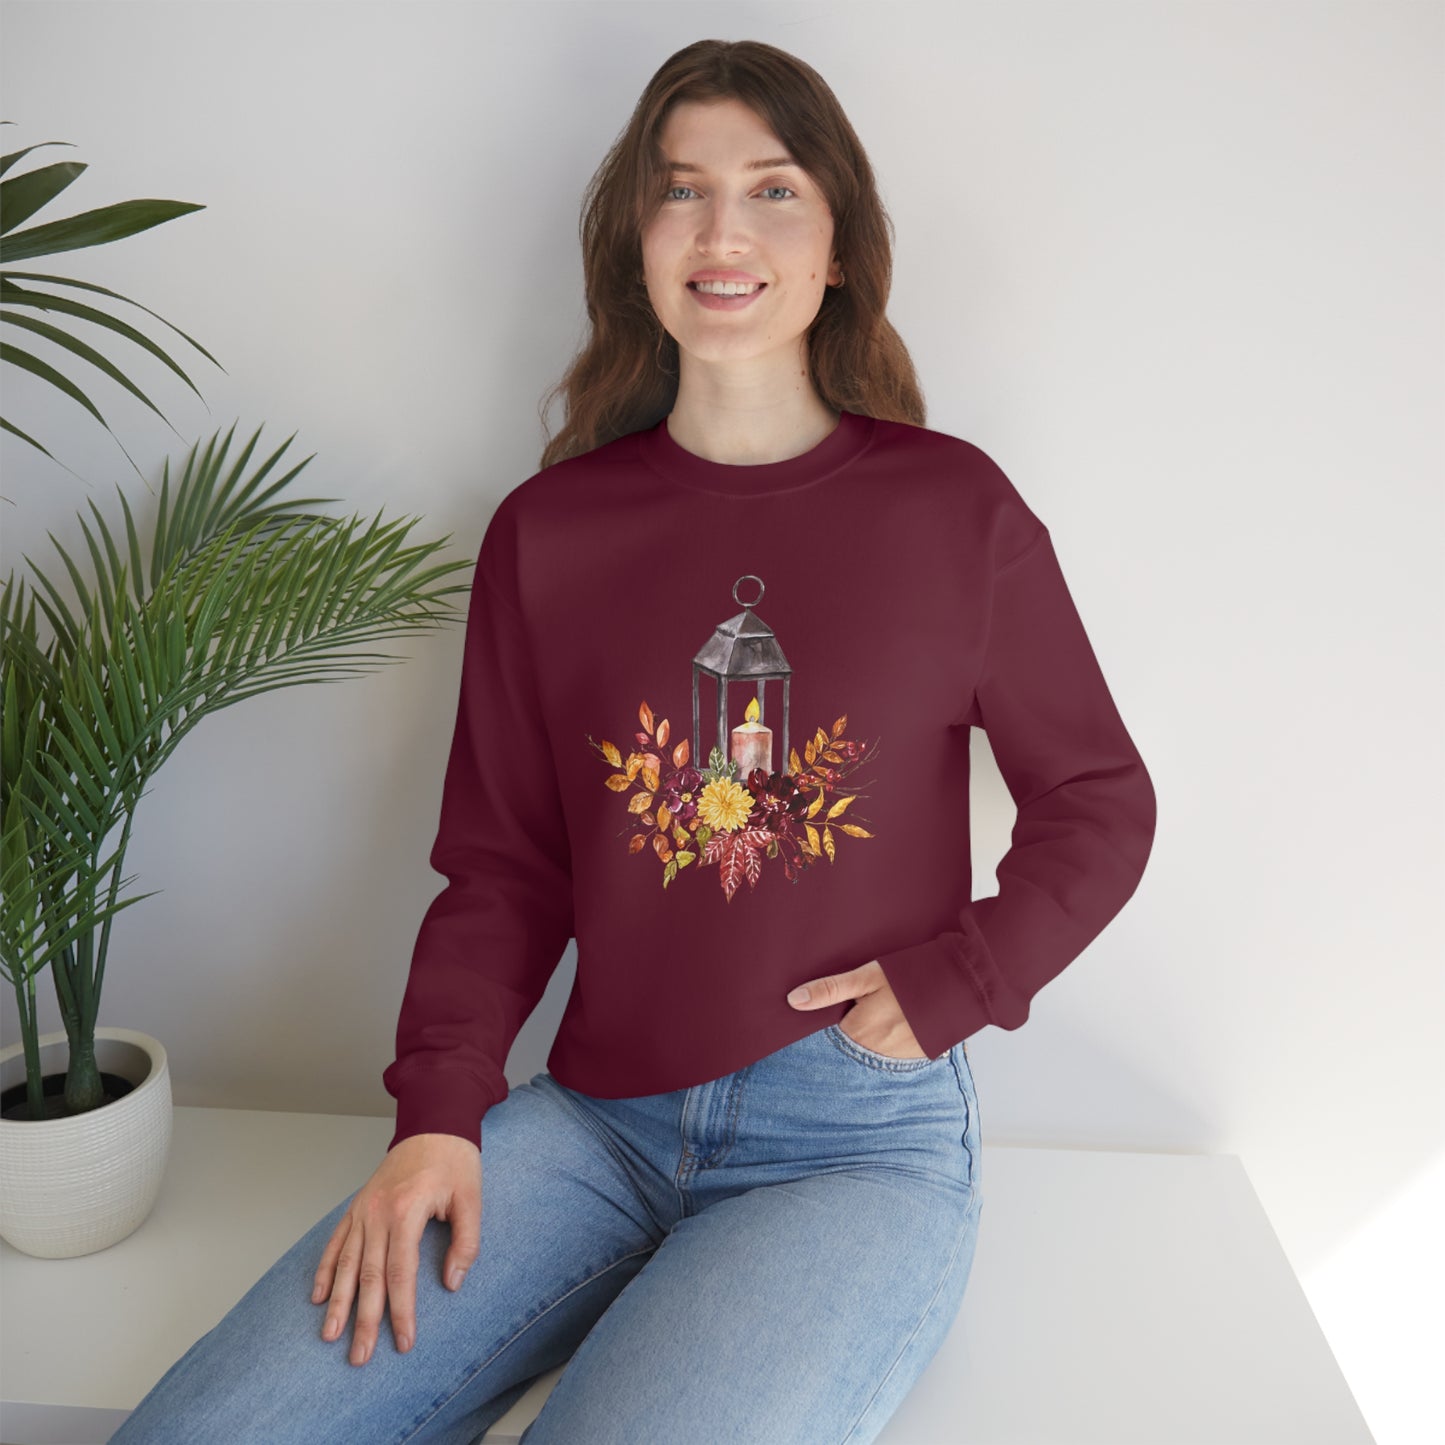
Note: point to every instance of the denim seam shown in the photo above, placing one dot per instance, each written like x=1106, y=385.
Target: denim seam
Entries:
x=969, y=1101
x=692, y=1163
x=903, y=1349
x=686, y=1159
x=873, y=1060
x=734, y=1109
x=511, y=1340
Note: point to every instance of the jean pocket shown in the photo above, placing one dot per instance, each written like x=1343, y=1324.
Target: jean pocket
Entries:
x=884, y=1063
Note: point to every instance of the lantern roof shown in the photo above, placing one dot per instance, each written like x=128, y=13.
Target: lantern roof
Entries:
x=743, y=646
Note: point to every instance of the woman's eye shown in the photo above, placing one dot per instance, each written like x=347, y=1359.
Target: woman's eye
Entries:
x=670, y=193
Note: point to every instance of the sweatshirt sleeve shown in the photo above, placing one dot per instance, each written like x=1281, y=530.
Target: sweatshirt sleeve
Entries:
x=491, y=939
x=1085, y=815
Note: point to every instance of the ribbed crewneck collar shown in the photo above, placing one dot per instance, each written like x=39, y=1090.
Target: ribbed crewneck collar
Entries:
x=848, y=440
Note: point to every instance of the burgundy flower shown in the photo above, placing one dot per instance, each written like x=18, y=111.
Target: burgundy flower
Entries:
x=680, y=793
x=776, y=800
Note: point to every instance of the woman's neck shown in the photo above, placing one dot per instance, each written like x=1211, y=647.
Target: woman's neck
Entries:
x=746, y=433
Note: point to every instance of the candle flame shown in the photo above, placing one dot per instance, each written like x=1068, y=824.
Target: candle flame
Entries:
x=754, y=712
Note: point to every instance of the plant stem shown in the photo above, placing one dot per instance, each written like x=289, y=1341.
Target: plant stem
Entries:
x=77, y=986
x=34, y=1083
x=82, y=1079
x=115, y=878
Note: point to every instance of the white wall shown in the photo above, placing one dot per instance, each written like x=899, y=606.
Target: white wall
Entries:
x=1176, y=266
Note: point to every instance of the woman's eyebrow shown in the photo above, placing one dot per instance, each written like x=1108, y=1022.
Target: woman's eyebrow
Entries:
x=767, y=165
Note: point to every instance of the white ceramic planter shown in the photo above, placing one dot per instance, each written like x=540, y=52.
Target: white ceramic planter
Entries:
x=75, y=1185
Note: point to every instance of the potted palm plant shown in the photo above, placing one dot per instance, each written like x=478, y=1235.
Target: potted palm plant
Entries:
x=234, y=593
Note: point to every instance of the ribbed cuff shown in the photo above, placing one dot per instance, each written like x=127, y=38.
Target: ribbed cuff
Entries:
x=938, y=985
x=447, y=1101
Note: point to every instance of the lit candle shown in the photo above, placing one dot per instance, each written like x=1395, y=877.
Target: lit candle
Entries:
x=753, y=743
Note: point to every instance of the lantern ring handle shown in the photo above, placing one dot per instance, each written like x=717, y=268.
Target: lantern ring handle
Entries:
x=746, y=577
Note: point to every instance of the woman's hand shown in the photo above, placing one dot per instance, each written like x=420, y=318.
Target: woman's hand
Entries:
x=378, y=1240
x=877, y=1020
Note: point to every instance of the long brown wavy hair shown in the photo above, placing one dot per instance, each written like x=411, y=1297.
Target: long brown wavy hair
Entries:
x=624, y=377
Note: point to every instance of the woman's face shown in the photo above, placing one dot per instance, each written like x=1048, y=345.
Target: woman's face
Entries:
x=720, y=214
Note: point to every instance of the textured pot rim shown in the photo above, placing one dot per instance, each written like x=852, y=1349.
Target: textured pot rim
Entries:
x=148, y=1043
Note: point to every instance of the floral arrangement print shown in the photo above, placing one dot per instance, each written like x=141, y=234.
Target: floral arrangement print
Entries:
x=714, y=816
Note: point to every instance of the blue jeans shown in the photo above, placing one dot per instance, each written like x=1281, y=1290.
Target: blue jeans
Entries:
x=773, y=1256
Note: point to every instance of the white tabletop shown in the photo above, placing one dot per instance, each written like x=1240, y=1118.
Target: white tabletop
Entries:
x=1115, y=1299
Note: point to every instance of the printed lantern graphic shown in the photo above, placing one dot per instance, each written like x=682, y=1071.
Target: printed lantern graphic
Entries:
x=743, y=649
x=729, y=813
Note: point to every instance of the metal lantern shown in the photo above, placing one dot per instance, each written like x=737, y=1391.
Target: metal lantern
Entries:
x=742, y=649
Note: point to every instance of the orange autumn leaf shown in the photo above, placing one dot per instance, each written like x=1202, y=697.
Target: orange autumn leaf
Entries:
x=637, y=843
x=639, y=802
x=681, y=753
x=611, y=753
x=651, y=779
x=663, y=731
x=659, y=846
x=644, y=714
x=664, y=817
x=619, y=782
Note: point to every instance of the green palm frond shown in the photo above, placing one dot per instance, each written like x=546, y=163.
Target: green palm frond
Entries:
x=241, y=594
x=21, y=197
x=201, y=510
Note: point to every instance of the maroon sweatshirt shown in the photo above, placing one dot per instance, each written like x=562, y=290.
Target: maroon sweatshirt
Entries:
x=714, y=724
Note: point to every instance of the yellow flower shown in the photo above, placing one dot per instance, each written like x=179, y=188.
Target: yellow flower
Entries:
x=724, y=805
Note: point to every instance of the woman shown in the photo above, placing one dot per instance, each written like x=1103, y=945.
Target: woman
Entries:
x=740, y=1213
